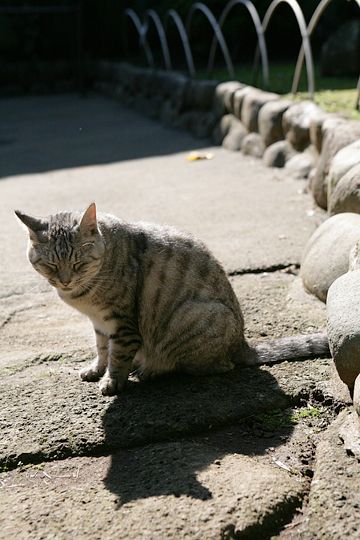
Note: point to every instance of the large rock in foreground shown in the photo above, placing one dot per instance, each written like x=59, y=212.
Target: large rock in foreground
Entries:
x=343, y=325
x=326, y=255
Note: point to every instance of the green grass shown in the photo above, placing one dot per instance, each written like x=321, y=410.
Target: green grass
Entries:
x=335, y=101
x=333, y=94
x=277, y=419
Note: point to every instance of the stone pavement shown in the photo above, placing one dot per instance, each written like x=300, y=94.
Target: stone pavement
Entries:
x=254, y=454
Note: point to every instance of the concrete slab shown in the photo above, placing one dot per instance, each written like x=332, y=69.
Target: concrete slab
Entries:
x=48, y=412
x=175, y=490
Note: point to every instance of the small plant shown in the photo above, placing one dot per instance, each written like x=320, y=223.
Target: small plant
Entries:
x=306, y=412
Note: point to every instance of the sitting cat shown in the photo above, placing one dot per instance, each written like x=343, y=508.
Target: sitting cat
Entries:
x=157, y=298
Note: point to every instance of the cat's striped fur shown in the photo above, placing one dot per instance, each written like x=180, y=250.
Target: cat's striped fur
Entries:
x=157, y=298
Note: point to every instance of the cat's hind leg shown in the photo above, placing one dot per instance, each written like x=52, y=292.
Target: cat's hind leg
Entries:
x=97, y=368
x=203, y=337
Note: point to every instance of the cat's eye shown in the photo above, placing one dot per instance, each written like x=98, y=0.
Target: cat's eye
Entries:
x=77, y=266
x=51, y=266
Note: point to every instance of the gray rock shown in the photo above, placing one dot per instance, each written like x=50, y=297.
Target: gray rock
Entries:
x=296, y=123
x=223, y=127
x=202, y=124
x=336, y=135
x=300, y=165
x=239, y=98
x=326, y=255
x=223, y=101
x=278, y=154
x=253, y=145
x=343, y=325
x=251, y=105
x=346, y=195
x=200, y=94
x=168, y=113
x=270, y=120
x=174, y=88
x=235, y=136
x=340, y=53
x=341, y=163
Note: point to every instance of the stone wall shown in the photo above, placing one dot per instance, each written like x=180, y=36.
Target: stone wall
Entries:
x=296, y=135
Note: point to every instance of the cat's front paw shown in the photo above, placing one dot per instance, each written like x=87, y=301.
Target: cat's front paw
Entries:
x=109, y=386
x=90, y=374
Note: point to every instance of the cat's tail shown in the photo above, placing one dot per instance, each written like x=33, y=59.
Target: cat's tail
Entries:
x=299, y=347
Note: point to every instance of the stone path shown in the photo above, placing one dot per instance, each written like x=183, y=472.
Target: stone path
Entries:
x=253, y=454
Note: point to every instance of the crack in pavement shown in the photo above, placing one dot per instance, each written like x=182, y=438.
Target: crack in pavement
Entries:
x=16, y=311
x=289, y=268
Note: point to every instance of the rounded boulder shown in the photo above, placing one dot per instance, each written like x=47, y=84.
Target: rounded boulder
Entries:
x=336, y=135
x=234, y=138
x=270, y=120
x=296, y=123
x=253, y=145
x=343, y=325
x=223, y=97
x=277, y=154
x=326, y=255
x=252, y=103
x=346, y=195
x=341, y=163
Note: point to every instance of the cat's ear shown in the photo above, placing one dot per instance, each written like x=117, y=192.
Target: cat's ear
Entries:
x=35, y=226
x=88, y=223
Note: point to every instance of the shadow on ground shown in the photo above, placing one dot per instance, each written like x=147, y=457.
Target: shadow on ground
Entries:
x=46, y=133
x=194, y=408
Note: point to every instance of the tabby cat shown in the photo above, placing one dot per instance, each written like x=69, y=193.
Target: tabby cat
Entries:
x=157, y=298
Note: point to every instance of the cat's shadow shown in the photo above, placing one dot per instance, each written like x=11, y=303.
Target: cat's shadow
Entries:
x=169, y=426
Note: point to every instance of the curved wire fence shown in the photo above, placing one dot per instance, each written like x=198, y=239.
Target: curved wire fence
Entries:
x=218, y=40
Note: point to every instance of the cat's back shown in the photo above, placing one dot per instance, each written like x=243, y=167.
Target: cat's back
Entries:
x=153, y=240
x=170, y=261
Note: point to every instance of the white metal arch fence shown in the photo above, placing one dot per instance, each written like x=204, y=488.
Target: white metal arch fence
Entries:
x=151, y=18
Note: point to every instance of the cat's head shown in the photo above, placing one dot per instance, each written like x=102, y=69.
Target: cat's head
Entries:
x=67, y=248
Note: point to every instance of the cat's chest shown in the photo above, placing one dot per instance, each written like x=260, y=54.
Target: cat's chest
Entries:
x=98, y=314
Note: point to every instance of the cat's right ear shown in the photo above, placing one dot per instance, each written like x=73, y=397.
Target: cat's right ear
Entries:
x=35, y=226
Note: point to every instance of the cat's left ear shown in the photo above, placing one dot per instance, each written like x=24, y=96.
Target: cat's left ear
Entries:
x=88, y=223
x=35, y=226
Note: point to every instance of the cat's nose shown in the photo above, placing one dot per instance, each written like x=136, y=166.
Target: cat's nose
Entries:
x=64, y=277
